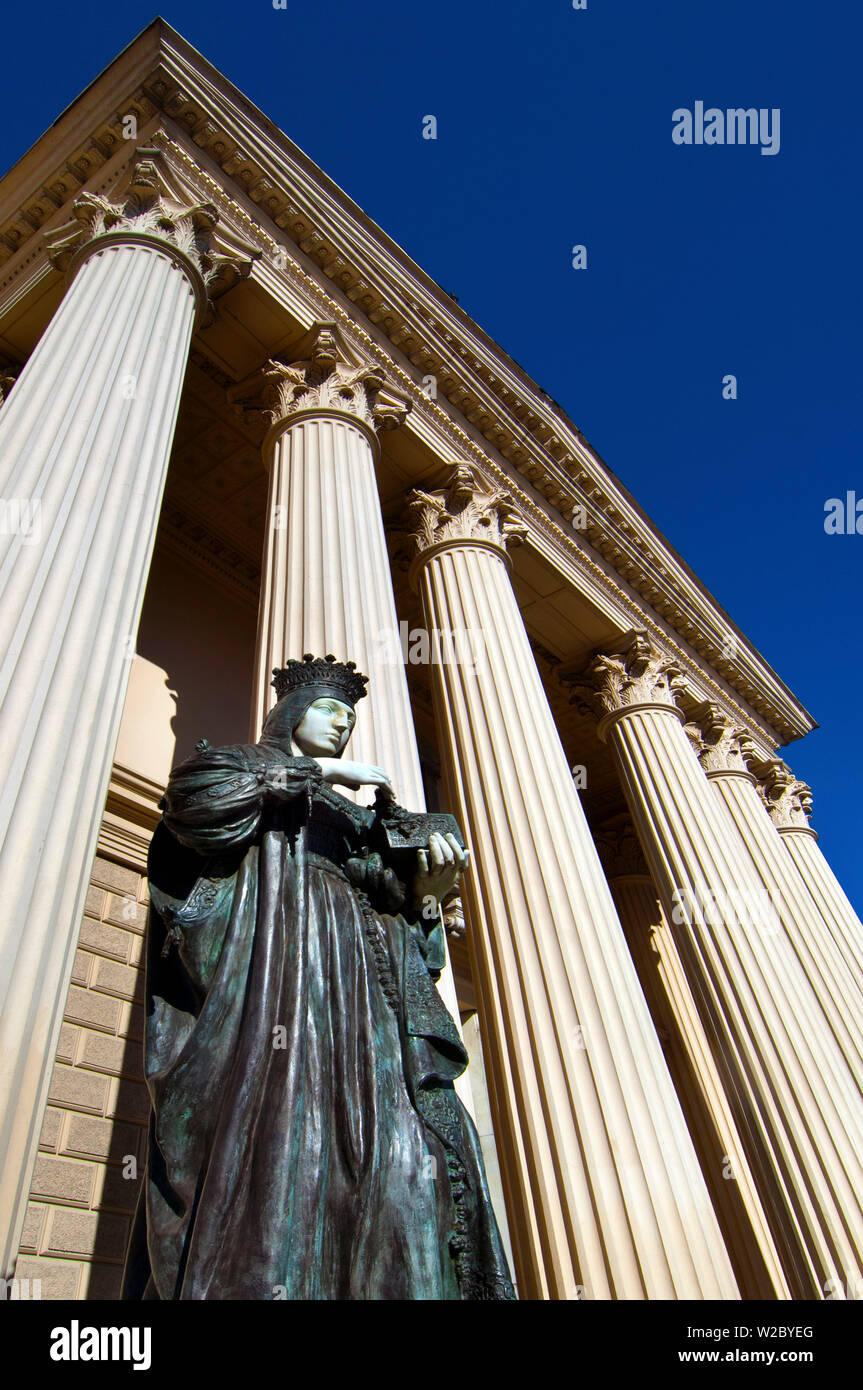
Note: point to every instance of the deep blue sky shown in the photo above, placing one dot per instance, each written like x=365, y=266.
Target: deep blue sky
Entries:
x=554, y=128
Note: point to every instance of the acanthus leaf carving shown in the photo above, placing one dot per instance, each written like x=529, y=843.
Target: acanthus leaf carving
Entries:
x=329, y=375
x=463, y=511
x=635, y=672
x=150, y=200
x=788, y=800
x=716, y=739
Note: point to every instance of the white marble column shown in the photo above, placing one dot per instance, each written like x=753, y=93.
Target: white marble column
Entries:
x=719, y=749
x=785, y=1075
x=789, y=804
x=604, y=1194
x=84, y=441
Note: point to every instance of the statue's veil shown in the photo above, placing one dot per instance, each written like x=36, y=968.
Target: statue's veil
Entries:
x=287, y=713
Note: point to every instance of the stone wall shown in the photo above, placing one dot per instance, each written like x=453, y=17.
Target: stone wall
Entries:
x=92, y=1148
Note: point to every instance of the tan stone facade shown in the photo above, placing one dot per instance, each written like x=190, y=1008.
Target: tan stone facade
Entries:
x=276, y=435
x=81, y=1202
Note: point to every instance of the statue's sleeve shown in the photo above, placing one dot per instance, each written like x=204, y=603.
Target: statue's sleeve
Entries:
x=216, y=800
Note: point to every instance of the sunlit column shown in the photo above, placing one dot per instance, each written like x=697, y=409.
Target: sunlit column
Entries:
x=786, y=1077
x=789, y=803
x=84, y=443
x=326, y=583
x=696, y=1077
x=717, y=744
x=604, y=1193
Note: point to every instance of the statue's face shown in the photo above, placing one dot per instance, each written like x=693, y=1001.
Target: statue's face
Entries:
x=325, y=728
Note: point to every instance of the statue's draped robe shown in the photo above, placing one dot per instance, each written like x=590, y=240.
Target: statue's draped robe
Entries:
x=305, y=1138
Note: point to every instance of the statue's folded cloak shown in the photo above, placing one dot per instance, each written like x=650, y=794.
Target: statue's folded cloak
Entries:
x=305, y=1137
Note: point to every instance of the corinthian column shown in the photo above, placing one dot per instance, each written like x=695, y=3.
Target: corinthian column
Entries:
x=789, y=804
x=84, y=443
x=604, y=1195
x=693, y=1069
x=784, y=1074
x=326, y=584
x=717, y=744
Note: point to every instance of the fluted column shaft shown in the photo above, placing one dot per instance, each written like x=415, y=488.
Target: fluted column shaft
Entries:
x=838, y=994
x=788, y=802
x=792, y=1089
x=327, y=587
x=845, y=927
x=326, y=583
x=701, y=1089
x=604, y=1194
x=87, y=431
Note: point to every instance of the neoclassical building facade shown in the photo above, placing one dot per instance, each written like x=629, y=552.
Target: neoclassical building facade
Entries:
x=239, y=424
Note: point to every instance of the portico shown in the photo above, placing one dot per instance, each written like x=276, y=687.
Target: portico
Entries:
x=254, y=429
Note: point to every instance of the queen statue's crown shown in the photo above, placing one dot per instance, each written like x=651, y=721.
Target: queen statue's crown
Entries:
x=340, y=677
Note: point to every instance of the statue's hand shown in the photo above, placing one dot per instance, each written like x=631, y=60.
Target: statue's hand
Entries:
x=438, y=867
x=347, y=774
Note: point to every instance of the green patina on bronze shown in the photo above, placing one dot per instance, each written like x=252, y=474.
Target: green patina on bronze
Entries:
x=306, y=1141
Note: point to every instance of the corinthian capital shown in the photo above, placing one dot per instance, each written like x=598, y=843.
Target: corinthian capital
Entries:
x=462, y=511
x=788, y=800
x=150, y=203
x=635, y=673
x=716, y=739
x=329, y=375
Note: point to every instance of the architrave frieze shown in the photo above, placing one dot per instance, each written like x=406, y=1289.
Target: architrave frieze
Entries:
x=320, y=244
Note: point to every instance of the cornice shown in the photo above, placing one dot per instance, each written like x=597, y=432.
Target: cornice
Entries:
x=315, y=227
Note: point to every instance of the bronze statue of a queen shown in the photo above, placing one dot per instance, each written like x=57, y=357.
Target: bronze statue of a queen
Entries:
x=306, y=1141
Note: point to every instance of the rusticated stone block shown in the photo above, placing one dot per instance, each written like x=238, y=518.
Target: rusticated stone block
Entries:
x=87, y=1233
x=130, y=1100
x=131, y=1024
x=119, y=980
x=63, y=1180
x=106, y=940
x=60, y=1279
x=67, y=1043
x=94, y=902
x=81, y=967
x=52, y=1124
x=126, y=912
x=102, y=1281
x=94, y=1010
x=102, y=1053
x=31, y=1234
x=87, y=1137
x=113, y=1191
x=78, y=1089
x=115, y=877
